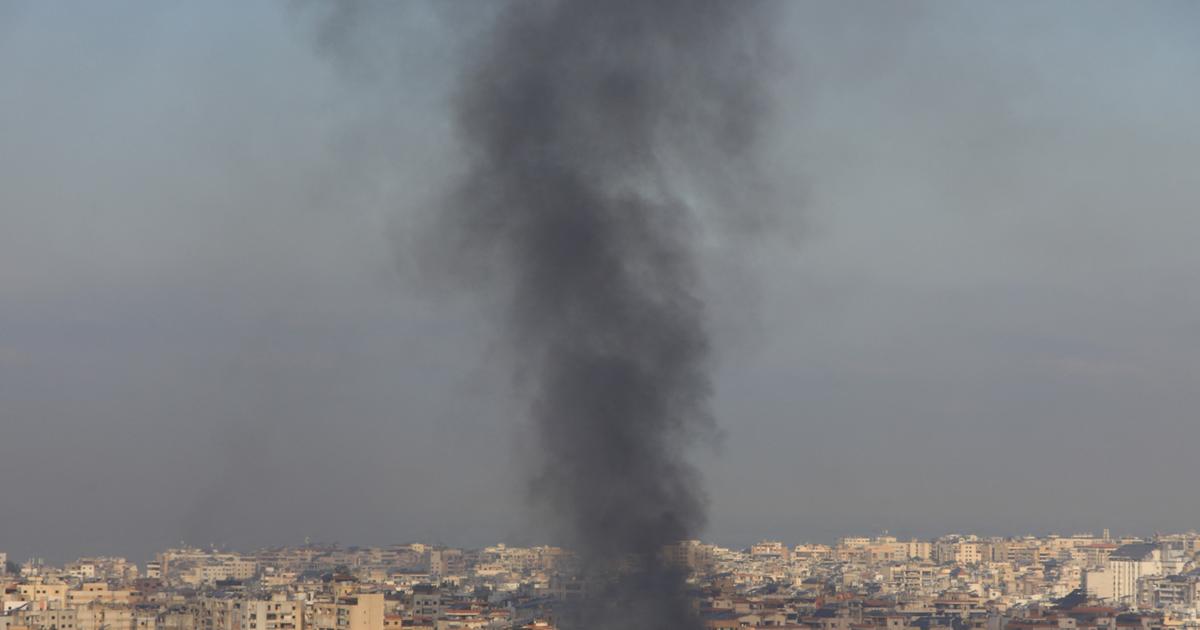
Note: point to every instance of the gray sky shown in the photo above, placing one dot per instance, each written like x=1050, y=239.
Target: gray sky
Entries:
x=977, y=312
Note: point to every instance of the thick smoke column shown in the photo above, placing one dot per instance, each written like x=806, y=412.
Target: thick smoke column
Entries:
x=575, y=114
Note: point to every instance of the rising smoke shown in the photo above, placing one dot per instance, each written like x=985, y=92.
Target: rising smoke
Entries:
x=578, y=118
x=590, y=127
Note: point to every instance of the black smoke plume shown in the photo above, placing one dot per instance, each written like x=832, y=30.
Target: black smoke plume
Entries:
x=595, y=134
x=581, y=119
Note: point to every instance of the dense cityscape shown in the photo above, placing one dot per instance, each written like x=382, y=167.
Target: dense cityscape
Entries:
x=604, y=277
x=955, y=582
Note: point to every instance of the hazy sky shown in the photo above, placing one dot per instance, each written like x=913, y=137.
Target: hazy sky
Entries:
x=977, y=311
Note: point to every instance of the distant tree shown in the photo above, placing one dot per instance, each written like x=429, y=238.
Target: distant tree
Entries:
x=11, y=568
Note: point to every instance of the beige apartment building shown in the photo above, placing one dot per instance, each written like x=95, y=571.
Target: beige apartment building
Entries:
x=44, y=595
x=46, y=619
x=1178, y=591
x=216, y=570
x=177, y=619
x=811, y=552
x=277, y=613
x=213, y=613
x=971, y=552
x=197, y=567
x=770, y=549
x=97, y=592
x=106, y=616
x=362, y=611
x=919, y=549
x=913, y=578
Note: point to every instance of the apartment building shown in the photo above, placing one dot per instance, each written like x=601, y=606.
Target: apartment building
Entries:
x=362, y=611
x=276, y=613
x=1118, y=580
x=770, y=550
x=1170, y=591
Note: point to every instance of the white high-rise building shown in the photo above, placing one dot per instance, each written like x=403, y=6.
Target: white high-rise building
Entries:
x=1118, y=580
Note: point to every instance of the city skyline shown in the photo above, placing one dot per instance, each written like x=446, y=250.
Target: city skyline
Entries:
x=972, y=310
x=60, y=557
x=949, y=580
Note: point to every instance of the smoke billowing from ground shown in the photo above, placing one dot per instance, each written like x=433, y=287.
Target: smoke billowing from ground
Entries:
x=575, y=115
x=593, y=133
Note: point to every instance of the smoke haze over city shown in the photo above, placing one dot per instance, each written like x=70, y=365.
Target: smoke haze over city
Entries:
x=971, y=308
